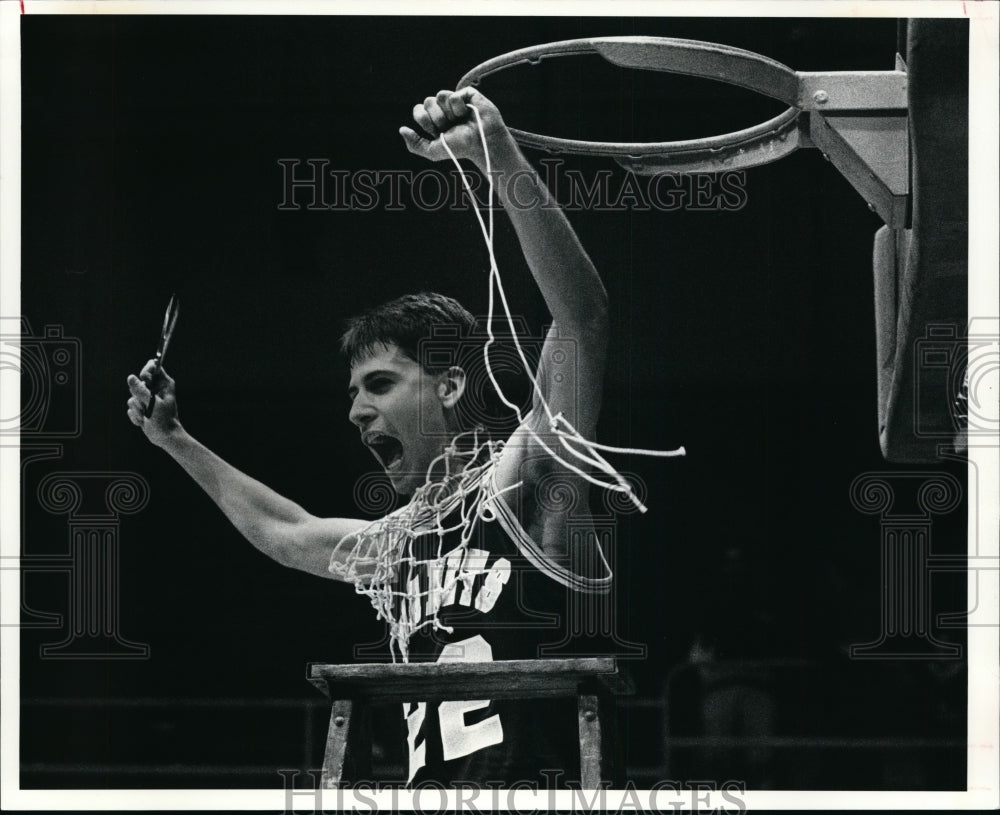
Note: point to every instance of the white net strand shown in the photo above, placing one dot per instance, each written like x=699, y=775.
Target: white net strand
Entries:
x=568, y=436
x=373, y=558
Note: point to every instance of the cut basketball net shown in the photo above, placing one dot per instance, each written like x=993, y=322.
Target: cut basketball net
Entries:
x=558, y=424
x=373, y=557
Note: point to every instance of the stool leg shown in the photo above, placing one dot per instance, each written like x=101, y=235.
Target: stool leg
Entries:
x=591, y=754
x=358, y=764
x=336, y=742
x=348, y=741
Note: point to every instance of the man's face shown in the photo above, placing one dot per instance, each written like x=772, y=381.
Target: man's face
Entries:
x=398, y=408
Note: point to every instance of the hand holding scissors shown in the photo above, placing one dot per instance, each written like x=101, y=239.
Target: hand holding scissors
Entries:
x=169, y=323
x=153, y=377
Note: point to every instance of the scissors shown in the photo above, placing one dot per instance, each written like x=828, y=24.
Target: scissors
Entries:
x=169, y=322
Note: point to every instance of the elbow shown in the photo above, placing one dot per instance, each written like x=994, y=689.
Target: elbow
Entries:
x=601, y=306
x=589, y=322
x=597, y=305
x=295, y=553
x=291, y=543
x=597, y=323
x=281, y=540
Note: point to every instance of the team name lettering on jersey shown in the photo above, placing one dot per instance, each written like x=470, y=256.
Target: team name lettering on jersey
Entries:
x=452, y=580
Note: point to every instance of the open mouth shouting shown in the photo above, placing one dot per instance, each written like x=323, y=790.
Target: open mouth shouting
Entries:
x=387, y=449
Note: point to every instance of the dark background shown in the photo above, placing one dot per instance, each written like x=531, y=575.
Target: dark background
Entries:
x=150, y=165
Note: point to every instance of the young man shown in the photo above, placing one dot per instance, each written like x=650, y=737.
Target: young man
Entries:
x=479, y=565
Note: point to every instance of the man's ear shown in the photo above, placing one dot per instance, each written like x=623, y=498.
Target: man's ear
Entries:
x=451, y=386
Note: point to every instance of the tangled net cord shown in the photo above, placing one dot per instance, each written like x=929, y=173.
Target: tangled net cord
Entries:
x=558, y=424
x=377, y=552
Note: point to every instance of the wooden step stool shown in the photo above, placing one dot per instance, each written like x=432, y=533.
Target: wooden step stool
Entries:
x=594, y=681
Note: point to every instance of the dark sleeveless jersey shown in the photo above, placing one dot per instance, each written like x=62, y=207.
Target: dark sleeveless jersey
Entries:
x=501, y=598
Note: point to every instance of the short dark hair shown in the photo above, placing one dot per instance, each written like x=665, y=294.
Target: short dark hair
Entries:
x=436, y=332
x=406, y=322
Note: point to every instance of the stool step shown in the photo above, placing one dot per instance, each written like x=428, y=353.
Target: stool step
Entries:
x=437, y=681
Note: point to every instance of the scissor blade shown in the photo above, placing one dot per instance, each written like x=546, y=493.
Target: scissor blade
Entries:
x=169, y=322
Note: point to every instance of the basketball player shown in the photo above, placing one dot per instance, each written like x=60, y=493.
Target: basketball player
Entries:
x=493, y=586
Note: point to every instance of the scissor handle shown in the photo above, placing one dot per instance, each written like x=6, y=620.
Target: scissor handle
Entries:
x=148, y=412
x=169, y=322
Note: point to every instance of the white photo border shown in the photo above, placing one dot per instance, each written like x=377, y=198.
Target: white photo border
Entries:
x=984, y=295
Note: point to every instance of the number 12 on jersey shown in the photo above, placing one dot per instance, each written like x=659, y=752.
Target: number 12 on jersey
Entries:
x=457, y=738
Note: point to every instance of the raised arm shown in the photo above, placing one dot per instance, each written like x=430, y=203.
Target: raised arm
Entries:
x=279, y=528
x=565, y=276
x=575, y=297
